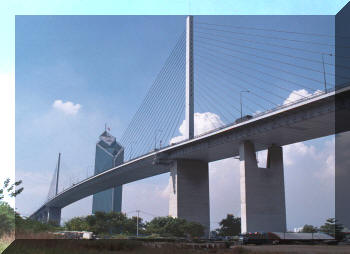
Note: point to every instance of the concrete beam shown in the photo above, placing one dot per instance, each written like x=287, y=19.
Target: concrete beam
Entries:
x=189, y=192
x=262, y=191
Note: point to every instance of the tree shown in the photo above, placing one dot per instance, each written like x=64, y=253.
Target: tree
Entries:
x=77, y=224
x=105, y=223
x=230, y=226
x=158, y=225
x=130, y=226
x=27, y=226
x=169, y=226
x=7, y=218
x=194, y=229
x=309, y=229
x=7, y=214
x=119, y=223
x=10, y=189
x=333, y=228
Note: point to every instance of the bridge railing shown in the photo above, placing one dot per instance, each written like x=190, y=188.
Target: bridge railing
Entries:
x=320, y=93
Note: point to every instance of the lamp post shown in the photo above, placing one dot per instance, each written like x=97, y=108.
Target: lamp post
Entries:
x=137, y=223
x=324, y=71
x=240, y=99
x=155, y=138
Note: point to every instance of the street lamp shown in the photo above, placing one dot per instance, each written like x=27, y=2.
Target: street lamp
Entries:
x=324, y=71
x=137, y=223
x=240, y=99
x=155, y=138
x=131, y=148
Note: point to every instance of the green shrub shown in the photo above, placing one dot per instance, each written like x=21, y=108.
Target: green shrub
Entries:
x=7, y=218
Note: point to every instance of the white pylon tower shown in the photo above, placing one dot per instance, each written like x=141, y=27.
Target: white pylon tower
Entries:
x=189, y=78
x=58, y=172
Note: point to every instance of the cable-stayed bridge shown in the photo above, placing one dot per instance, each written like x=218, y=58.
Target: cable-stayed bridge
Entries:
x=226, y=91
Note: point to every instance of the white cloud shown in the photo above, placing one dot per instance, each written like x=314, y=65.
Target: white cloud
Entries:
x=326, y=172
x=299, y=94
x=203, y=122
x=294, y=152
x=68, y=107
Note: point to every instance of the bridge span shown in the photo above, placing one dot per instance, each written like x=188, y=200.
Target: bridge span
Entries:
x=262, y=190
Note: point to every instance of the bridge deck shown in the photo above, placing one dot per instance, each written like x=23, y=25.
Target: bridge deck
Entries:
x=304, y=120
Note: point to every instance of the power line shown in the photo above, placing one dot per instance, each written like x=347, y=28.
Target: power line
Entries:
x=211, y=90
x=277, y=52
x=274, y=30
x=278, y=38
x=152, y=105
x=213, y=103
x=212, y=66
x=167, y=100
x=212, y=76
x=267, y=58
x=148, y=96
x=265, y=82
x=272, y=67
x=264, y=90
x=271, y=75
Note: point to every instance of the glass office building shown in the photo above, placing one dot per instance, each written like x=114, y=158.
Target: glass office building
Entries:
x=109, y=153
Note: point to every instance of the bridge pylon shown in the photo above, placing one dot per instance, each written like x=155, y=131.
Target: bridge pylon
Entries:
x=189, y=78
x=189, y=192
x=263, y=206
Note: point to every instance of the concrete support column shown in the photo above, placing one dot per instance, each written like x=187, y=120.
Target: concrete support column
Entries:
x=42, y=216
x=342, y=178
x=189, y=194
x=262, y=191
x=54, y=215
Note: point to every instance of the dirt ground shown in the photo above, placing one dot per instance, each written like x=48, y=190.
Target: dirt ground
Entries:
x=302, y=249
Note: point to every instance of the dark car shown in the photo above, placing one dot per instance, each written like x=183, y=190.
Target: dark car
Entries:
x=243, y=118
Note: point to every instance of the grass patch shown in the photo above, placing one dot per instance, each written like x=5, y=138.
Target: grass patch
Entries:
x=5, y=241
x=3, y=246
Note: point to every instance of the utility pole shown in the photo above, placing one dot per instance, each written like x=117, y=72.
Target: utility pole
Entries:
x=137, y=223
x=189, y=78
x=58, y=171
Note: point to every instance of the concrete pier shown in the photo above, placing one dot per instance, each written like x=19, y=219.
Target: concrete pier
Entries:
x=262, y=191
x=48, y=215
x=54, y=215
x=189, y=194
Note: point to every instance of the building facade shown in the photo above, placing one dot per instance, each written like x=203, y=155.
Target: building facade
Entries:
x=109, y=154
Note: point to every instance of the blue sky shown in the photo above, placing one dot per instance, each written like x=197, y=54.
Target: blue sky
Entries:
x=106, y=64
